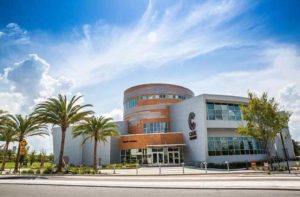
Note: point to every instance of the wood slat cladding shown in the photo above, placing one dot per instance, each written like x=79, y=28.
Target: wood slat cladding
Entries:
x=141, y=141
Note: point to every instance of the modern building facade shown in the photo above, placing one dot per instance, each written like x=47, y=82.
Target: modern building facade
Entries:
x=166, y=124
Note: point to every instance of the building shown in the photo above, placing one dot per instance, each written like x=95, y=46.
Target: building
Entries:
x=166, y=124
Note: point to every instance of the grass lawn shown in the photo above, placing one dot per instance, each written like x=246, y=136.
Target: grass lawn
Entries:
x=35, y=165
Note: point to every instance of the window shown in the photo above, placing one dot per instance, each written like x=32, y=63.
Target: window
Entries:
x=234, y=146
x=133, y=102
x=156, y=127
x=220, y=111
x=134, y=156
x=130, y=103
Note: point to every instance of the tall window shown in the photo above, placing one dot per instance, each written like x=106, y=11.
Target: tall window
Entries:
x=130, y=104
x=156, y=127
x=220, y=111
x=234, y=146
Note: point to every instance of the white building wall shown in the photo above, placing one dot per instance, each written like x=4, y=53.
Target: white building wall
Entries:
x=195, y=150
x=72, y=149
x=287, y=143
x=83, y=154
x=103, y=152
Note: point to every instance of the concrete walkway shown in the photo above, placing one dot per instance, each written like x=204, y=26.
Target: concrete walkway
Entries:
x=171, y=170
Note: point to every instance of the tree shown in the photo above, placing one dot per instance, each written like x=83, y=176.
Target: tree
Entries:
x=60, y=112
x=296, y=145
x=32, y=158
x=42, y=157
x=6, y=135
x=25, y=126
x=263, y=119
x=97, y=129
x=51, y=158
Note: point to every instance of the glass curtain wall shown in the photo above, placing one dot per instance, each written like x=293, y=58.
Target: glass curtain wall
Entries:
x=221, y=111
x=234, y=146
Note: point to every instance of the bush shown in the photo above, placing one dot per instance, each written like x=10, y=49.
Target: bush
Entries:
x=86, y=171
x=30, y=171
x=38, y=171
x=24, y=172
x=75, y=171
x=120, y=166
x=92, y=172
x=48, y=170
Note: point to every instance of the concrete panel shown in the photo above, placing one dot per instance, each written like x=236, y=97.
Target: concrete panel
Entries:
x=195, y=150
x=73, y=148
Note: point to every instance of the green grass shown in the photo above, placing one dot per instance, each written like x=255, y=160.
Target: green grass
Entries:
x=35, y=165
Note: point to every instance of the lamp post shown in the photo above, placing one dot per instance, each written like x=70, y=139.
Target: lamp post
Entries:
x=285, y=155
x=205, y=165
x=227, y=163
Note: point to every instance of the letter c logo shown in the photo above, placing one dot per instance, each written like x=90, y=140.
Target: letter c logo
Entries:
x=192, y=123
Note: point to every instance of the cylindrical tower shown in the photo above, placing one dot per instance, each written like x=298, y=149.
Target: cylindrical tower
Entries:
x=146, y=107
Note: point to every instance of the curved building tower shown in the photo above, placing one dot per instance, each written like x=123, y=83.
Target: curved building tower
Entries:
x=146, y=111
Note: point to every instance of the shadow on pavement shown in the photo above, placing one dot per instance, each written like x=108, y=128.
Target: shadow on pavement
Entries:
x=23, y=177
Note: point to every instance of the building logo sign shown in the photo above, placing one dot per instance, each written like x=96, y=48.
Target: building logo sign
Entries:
x=192, y=125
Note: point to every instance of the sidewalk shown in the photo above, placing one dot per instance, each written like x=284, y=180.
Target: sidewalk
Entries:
x=177, y=171
x=171, y=170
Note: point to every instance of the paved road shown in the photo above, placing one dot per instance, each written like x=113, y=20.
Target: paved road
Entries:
x=162, y=182
x=65, y=191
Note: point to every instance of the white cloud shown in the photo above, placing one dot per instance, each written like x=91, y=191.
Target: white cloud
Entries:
x=30, y=78
x=13, y=35
x=157, y=38
x=11, y=102
x=116, y=114
x=27, y=83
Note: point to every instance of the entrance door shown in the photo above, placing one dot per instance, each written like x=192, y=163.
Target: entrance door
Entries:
x=158, y=158
x=174, y=157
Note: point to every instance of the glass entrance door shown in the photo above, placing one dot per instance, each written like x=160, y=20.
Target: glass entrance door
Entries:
x=158, y=158
x=174, y=158
x=166, y=156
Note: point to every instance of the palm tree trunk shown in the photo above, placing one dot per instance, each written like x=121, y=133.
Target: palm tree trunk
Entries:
x=4, y=156
x=62, y=147
x=95, y=155
x=17, y=158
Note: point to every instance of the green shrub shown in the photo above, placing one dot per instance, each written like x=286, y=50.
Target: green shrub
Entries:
x=30, y=171
x=75, y=171
x=87, y=171
x=24, y=172
x=48, y=170
x=38, y=171
x=92, y=172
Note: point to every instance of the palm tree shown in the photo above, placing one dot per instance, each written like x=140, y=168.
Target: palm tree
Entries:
x=97, y=129
x=25, y=126
x=58, y=111
x=6, y=135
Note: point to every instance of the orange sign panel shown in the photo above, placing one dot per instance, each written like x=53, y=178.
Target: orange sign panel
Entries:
x=141, y=141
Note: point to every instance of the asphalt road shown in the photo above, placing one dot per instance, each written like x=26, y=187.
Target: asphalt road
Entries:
x=66, y=191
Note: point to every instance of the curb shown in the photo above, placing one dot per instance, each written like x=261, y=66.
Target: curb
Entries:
x=151, y=187
x=138, y=175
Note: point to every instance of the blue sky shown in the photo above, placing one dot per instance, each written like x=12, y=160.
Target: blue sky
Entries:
x=100, y=48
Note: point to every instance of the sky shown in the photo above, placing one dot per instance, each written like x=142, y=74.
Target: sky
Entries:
x=100, y=48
